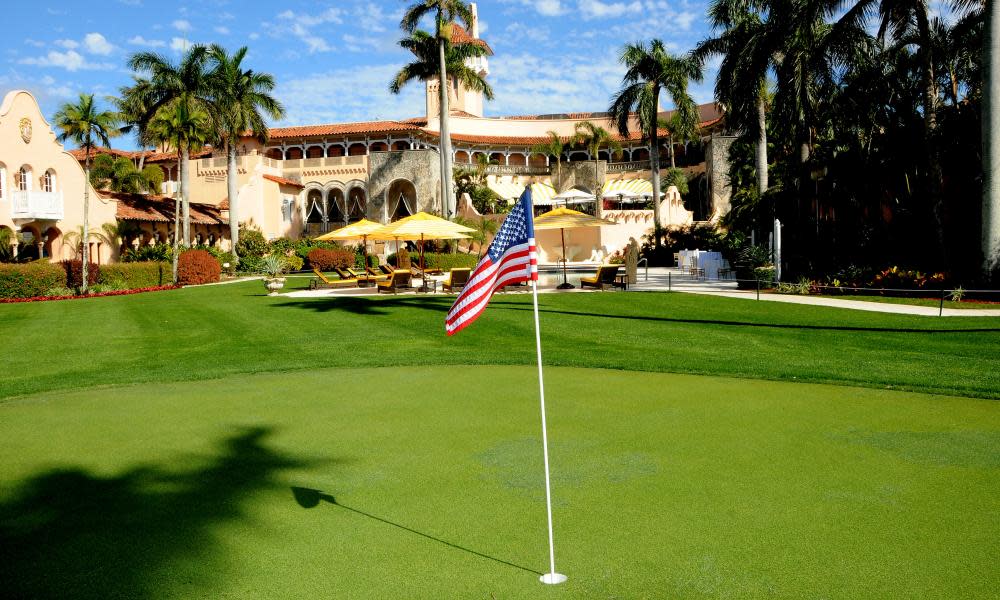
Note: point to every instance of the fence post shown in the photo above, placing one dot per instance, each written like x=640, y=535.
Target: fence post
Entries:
x=941, y=306
x=758, y=287
x=670, y=286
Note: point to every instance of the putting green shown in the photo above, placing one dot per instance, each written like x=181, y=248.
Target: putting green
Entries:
x=427, y=483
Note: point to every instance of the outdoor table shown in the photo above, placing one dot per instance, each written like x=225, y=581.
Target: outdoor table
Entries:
x=429, y=286
x=622, y=281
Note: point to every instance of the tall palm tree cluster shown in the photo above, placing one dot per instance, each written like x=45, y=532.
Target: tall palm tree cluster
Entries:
x=207, y=97
x=859, y=128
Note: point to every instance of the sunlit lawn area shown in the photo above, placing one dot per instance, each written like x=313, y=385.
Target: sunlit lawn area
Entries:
x=213, y=442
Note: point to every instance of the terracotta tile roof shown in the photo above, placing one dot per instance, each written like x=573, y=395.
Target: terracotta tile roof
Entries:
x=460, y=36
x=363, y=127
x=151, y=157
x=283, y=181
x=511, y=140
x=224, y=205
x=160, y=209
x=81, y=155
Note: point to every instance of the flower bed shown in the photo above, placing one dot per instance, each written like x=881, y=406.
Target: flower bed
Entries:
x=157, y=288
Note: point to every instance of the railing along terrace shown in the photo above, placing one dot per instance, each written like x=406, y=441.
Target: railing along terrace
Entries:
x=635, y=165
x=36, y=205
x=516, y=169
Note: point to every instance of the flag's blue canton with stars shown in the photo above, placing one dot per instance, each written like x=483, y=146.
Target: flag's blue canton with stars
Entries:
x=511, y=258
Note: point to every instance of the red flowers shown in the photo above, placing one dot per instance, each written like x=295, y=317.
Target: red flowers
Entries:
x=157, y=288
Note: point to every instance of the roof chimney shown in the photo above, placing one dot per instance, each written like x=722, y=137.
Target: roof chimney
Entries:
x=475, y=20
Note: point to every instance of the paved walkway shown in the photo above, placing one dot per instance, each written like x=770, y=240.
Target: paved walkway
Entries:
x=661, y=279
x=676, y=280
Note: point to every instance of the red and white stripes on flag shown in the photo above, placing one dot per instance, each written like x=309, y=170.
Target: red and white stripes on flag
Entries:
x=511, y=258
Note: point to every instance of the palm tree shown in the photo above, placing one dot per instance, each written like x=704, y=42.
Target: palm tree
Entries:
x=741, y=85
x=991, y=143
x=240, y=97
x=187, y=83
x=445, y=12
x=552, y=147
x=133, y=109
x=119, y=174
x=425, y=48
x=593, y=138
x=179, y=127
x=651, y=70
x=87, y=127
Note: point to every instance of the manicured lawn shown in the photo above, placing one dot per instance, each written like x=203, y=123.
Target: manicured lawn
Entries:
x=201, y=333
x=216, y=443
x=933, y=302
x=425, y=482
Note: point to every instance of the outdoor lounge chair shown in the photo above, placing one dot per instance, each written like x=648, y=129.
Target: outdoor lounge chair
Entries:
x=365, y=276
x=400, y=280
x=604, y=278
x=321, y=281
x=457, y=278
x=342, y=273
x=377, y=274
x=386, y=269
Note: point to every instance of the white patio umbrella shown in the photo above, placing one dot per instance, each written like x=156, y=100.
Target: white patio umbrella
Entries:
x=573, y=196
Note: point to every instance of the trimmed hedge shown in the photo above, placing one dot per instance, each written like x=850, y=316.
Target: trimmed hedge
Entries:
x=196, y=267
x=74, y=274
x=445, y=261
x=128, y=276
x=325, y=260
x=31, y=279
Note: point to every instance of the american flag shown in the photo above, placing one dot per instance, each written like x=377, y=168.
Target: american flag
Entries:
x=511, y=258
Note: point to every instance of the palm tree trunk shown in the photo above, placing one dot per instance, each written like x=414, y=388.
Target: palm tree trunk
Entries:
x=234, y=215
x=761, y=148
x=85, y=267
x=673, y=164
x=991, y=145
x=185, y=194
x=929, y=102
x=654, y=168
x=177, y=225
x=447, y=203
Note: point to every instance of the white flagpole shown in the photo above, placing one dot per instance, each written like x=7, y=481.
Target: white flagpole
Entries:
x=551, y=577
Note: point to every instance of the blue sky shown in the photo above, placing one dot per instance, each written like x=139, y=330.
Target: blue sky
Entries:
x=333, y=60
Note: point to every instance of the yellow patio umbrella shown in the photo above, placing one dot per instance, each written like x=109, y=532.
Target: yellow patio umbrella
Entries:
x=563, y=218
x=360, y=230
x=420, y=227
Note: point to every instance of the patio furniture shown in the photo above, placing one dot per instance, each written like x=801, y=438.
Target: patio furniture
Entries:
x=603, y=279
x=400, y=280
x=457, y=278
x=321, y=281
x=386, y=269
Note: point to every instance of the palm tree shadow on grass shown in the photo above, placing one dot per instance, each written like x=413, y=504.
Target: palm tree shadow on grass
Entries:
x=70, y=534
x=310, y=498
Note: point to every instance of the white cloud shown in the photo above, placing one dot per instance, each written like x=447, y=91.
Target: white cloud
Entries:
x=300, y=26
x=221, y=30
x=141, y=41
x=35, y=43
x=252, y=36
x=307, y=99
x=71, y=60
x=179, y=44
x=57, y=11
x=96, y=43
x=549, y=8
x=182, y=25
x=595, y=9
x=532, y=83
x=68, y=44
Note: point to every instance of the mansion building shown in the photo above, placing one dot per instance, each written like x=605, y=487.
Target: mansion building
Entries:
x=307, y=180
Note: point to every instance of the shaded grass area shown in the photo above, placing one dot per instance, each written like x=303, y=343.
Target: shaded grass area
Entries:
x=932, y=302
x=207, y=332
x=426, y=482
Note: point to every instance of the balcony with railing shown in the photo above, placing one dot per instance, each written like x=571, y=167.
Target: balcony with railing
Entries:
x=36, y=205
x=512, y=169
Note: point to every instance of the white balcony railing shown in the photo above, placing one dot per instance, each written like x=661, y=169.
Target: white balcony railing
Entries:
x=36, y=205
x=169, y=188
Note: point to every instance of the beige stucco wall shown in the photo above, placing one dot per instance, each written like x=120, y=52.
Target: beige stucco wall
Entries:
x=41, y=153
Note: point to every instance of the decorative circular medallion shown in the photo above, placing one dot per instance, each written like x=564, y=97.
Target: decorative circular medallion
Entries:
x=25, y=127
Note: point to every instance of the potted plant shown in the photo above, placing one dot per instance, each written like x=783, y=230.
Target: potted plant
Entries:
x=273, y=267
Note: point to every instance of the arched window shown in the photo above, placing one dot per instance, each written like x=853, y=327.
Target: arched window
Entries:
x=22, y=179
x=357, y=204
x=49, y=181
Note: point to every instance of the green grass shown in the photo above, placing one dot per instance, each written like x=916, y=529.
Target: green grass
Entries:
x=216, y=443
x=932, y=302
x=426, y=483
x=201, y=333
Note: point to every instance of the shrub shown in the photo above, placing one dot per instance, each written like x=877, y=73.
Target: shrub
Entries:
x=765, y=275
x=196, y=267
x=446, y=261
x=157, y=253
x=74, y=273
x=324, y=260
x=226, y=258
x=30, y=279
x=897, y=278
x=252, y=242
x=295, y=262
x=128, y=276
x=250, y=264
